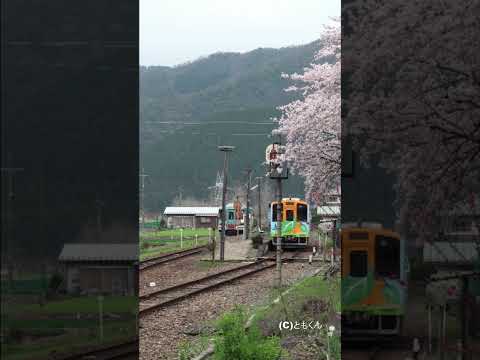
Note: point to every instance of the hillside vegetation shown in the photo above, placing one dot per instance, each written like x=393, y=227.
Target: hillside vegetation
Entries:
x=223, y=87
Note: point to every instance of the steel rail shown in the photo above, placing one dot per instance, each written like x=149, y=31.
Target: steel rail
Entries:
x=191, y=289
x=165, y=258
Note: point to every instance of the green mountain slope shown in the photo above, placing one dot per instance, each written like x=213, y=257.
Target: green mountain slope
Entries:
x=224, y=87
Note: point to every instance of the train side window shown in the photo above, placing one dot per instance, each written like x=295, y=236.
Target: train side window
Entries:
x=302, y=212
x=274, y=211
x=358, y=263
x=289, y=215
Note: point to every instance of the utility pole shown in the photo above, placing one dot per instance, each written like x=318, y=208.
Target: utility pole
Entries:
x=142, y=196
x=8, y=207
x=464, y=316
x=226, y=150
x=246, y=231
x=279, y=232
x=259, y=180
x=99, y=205
x=334, y=239
x=274, y=156
x=180, y=195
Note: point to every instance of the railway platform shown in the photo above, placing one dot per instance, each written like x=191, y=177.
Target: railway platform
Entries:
x=236, y=249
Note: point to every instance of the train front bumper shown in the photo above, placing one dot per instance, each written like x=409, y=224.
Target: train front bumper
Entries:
x=363, y=323
x=291, y=242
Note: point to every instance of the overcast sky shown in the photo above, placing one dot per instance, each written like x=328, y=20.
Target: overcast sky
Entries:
x=176, y=31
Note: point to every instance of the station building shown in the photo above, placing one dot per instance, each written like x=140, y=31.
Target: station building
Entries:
x=192, y=216
x=108, y=269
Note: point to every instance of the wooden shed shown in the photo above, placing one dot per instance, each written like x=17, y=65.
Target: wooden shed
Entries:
x=109, y=269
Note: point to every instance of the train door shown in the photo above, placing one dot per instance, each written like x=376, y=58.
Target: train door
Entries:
x=356, y=255
x=357, y=262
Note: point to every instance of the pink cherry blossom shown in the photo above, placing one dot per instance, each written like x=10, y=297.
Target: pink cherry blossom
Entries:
x=312, y=124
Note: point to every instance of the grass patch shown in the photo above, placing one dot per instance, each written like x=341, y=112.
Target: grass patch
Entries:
x=33, y=285
x=310, y=299
x=310, y=307
x=207, y=264
x=190, y=349
x=233, y=342
x=152, y=249
x=175, y=233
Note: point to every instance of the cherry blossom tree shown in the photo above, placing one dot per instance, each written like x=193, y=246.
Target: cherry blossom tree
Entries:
x=311, y=125
x=414, y=94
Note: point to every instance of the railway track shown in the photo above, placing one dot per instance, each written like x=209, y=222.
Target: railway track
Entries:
x=123, y=351
x=173, y=294
x=162, y=259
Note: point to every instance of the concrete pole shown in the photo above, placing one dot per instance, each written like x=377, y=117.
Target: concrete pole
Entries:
x=429, y=329
x=142, y=197
x=259, y=180
x=100, y=316
x=324, y=247
x=279, y=232
x=444, y=329
x=247, y=220
x=226, y=150
x=224, y=208
x=334, y=240
x=319, y=239
x=464, y=308
x=214, y=245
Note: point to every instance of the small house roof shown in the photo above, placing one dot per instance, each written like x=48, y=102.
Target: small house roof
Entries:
x=99, y=252
x=192, y=210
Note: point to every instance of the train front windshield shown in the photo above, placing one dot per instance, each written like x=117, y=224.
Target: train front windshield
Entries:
x=274, y=212
x=387, y=257
x=302, y=212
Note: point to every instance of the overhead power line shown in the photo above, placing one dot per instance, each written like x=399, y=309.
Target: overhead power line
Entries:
x=207, y=123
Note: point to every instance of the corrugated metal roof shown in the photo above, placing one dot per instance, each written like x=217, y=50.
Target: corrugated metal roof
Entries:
x=99, y=252
x=329, y=210
x=192, y=210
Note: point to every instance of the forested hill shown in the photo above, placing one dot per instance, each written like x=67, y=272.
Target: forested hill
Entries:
x=222, y=87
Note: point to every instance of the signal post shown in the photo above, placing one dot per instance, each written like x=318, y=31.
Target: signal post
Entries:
x=274, y=157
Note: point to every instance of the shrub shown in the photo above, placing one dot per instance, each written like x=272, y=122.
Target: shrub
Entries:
x=257, y=240
x=55, y=282
x=162, y=224
x=420, y=270
x=235, y=343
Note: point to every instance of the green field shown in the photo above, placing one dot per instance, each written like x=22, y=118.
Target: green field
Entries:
x=167, y=247
x=86, y=304
x=167, y=234
x=153, y=243
x=65, y=325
